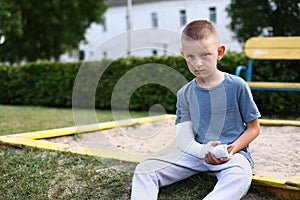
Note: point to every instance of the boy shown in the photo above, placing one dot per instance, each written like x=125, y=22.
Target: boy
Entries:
x=213, y=109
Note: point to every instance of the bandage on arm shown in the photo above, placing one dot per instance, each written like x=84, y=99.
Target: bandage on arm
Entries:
x=185, y=140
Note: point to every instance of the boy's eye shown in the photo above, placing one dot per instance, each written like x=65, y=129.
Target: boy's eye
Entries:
x=190, y=57
x=205, y=54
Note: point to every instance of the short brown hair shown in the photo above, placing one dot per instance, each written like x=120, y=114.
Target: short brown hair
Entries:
x=198, y=30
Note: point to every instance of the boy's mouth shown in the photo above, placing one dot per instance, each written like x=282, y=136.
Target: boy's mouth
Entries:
x=199, y=70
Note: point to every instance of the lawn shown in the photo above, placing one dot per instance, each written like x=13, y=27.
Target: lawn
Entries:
x=20, y=119
x=29, y=173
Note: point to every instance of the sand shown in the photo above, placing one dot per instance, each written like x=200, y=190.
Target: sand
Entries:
x=276, y=151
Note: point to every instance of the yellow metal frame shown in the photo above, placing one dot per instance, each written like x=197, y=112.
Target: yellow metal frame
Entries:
x=289, y=189
x=33, y=139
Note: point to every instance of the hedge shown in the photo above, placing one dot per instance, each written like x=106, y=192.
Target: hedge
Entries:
x=51, y=84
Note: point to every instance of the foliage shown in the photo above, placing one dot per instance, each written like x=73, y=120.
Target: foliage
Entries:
x=36, y=30
x=51, y=84
x=264, y=17
x=11, y=28
x=274, y=103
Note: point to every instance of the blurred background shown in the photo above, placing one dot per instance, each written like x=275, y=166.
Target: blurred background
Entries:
x=70, y=30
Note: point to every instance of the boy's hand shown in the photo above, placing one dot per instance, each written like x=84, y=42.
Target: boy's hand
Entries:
x=211, y=159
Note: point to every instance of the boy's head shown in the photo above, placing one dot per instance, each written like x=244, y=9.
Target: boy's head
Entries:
x=201, y=48
x=199, y=30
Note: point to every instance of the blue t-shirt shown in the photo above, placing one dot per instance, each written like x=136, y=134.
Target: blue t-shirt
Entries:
x=218, y=113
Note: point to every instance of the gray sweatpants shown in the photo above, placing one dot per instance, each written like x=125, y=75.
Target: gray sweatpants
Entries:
x=234, y=177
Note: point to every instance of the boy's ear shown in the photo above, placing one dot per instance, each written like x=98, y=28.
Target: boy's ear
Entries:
x=221, y=52
x=182, y=53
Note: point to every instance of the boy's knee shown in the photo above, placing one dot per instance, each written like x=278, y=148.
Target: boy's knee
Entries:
x=141, y=167
x=145, y=166
x=150, y=166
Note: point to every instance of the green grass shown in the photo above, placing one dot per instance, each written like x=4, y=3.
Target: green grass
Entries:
x=35, y=174
x=20, y=119
x=29, y=173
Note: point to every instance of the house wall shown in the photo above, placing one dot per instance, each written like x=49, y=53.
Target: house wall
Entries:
x=112, y=42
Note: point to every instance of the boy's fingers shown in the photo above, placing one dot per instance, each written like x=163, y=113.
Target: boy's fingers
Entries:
x=211, y=159
x=224, y=159
x=230, y=148
x=216, y=143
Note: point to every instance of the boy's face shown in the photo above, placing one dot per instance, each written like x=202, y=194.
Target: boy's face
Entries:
x=202, y=56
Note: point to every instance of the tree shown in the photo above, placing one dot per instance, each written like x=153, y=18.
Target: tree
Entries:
x=264, y=17
x=11, y=28
x=37, y=29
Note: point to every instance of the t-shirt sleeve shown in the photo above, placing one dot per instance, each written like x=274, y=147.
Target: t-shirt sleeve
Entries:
x=182, y=109
x=247, y=105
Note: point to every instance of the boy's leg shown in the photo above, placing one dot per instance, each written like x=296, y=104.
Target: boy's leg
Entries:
x=234, y=179
x=152, y=174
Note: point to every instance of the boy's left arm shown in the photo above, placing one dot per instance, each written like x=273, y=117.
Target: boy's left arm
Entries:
x=251, y=132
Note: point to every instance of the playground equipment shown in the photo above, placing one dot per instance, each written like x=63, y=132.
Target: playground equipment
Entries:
x=270, y=48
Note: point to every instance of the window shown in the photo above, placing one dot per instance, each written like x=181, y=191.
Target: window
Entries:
x=154, y=52
x=182, y=17
x=104, y=54
x=154, y=19
x=81, y=55
x=213, y=14
x=104, y=24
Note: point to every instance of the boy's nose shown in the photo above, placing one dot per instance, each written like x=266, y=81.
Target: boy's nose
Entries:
x=197, y=63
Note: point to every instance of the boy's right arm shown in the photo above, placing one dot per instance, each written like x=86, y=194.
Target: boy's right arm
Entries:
x=185, y=141
x=185, y=136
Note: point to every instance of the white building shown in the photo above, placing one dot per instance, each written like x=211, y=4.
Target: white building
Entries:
x=155, y=27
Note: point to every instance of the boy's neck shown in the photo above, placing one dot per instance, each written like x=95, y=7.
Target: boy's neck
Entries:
x=211, y=81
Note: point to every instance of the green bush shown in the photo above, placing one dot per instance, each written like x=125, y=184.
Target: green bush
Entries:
x=274, y=103
x=47, y=84
x=51, y=84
